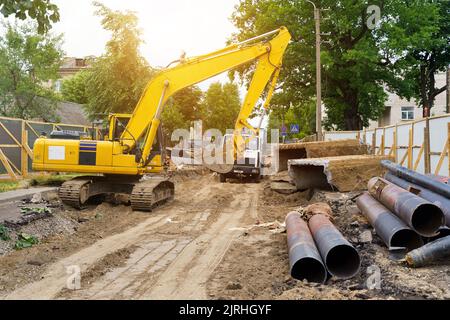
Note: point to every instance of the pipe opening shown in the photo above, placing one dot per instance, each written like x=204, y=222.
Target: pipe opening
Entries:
x=427, y=219
x=310, y=269
x=343, y=261
x=406, y=239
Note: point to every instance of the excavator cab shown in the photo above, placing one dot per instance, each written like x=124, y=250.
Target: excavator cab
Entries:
x=117, y=122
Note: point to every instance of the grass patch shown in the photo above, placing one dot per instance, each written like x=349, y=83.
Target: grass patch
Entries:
x=8, y=186
x=4, y=233
x=51, y=180
x=25, y=241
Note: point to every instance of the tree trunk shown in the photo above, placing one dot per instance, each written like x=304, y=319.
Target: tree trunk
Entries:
x=352, y=119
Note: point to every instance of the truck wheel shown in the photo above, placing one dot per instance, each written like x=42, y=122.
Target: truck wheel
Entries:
x=222, y=178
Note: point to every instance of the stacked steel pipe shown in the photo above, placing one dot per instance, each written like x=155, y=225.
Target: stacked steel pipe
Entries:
x=320, y=248
x=407, y=208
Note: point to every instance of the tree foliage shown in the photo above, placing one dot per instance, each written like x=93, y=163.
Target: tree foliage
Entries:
x=28, y=65
x=402, y=52
x=221, y=106
x=302, y=115
x=352, y=92
x=181, y=109
x=42, y=11
x=117, y=79
x=74, y=88
x=418, y=36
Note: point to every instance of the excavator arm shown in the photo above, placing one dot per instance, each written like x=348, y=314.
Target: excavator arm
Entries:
x=268, y=55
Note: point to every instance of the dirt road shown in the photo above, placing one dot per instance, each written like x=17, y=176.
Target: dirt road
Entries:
x=214, y=241
x=170, y=255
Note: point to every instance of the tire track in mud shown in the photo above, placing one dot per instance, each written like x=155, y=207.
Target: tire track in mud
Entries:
x=178, y=267
x=55, y=277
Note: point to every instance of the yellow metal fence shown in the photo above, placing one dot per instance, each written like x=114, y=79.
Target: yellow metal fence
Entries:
x=422, y=145
x=17, y=138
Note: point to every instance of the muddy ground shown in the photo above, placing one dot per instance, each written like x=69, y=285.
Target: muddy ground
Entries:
x=214, y=241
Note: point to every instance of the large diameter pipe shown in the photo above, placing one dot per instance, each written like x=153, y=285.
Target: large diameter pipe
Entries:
x=393, y=231
x=340, y=257
x=304, y=258
x=422, y=216
x=441, y=201
x=429, y=253
x=417, y=178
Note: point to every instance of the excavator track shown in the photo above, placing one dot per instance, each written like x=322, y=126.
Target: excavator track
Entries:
x=144, y=195
x=75, y=192
x=150, y=193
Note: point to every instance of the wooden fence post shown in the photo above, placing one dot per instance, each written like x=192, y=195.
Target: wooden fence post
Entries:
x=410, y=149
x=374, y=142
x=426, y=142
x=23, y=152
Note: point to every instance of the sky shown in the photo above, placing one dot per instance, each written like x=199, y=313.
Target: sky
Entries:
x=169, y=27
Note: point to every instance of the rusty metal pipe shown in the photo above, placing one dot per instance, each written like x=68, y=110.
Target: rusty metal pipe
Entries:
x=304, y=258
x=443, y=232
x=429, y=253
x=393, y=231
x=340, y=257
x=441, y=201
x=422, y=216
x=417, y=178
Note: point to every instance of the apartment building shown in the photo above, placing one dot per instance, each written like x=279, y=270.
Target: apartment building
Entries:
x=398, y=109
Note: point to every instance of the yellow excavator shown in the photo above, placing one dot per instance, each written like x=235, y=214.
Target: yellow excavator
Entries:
x=130, y=159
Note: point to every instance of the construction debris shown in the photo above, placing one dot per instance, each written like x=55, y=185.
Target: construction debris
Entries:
x=304, y=258
x=319, y=208
x=340, y=257
x=283, y=187
x=422, y=216
x=346, y=173
x=429, y=253
x=319, y=149
x=393, y=231
x=282, y=183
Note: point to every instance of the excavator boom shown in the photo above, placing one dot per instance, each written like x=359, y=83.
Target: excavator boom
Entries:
x=133, y=146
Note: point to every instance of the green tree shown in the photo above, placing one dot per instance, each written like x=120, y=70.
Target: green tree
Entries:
x=74, y=88
x=28, y=65
x=181, y=110
x=417, y=34
x=221, y=106
x=352, y=64
x=42, y=11
x=117, y=79
x=301, y=114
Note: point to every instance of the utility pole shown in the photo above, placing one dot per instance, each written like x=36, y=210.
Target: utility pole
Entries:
x=448, y=89
x=318, y=74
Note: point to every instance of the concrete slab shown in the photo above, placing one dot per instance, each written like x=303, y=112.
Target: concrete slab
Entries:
x=319, y=149
x=11, y=201
x=23, y=193
x=344, y=174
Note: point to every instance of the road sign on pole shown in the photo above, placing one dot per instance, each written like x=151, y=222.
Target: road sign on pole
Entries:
x=295, y=128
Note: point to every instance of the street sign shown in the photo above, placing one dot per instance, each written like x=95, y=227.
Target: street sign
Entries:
x=283, y=131
x=295, y=128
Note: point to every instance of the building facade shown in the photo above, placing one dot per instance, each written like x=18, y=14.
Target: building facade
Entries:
x=69, y=67
x=399, y=110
